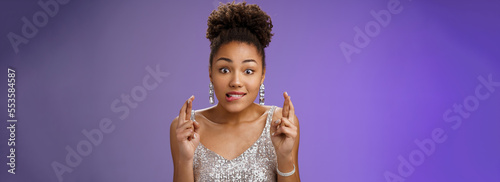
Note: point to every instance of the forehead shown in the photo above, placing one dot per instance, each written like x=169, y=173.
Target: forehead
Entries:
x=238, y=52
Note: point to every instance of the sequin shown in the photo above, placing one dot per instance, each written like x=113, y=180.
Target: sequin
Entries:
x=257, y=163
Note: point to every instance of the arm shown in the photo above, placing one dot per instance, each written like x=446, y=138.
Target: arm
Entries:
x=285, y=136
x=183, y=169
x=285, y=163
x=183, y=142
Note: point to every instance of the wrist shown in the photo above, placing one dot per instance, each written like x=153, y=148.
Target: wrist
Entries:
x=184, y=162
x=286, y=174
x=285, y=164
x=285, y=158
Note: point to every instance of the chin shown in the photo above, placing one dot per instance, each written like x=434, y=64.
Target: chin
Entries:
x=236, y=107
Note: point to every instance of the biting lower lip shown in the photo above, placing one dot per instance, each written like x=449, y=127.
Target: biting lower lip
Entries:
x=233, y=97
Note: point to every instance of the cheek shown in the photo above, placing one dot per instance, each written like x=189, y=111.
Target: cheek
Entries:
x=254, y=85
x=219, y=88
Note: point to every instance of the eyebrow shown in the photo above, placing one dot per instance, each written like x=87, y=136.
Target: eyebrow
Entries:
x=229, y=60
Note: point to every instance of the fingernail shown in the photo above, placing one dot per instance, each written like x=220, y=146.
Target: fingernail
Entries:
x=277, y=121
x=273, y=134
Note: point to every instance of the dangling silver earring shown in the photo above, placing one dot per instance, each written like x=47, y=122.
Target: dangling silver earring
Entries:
x=211, y=93
x=261, y=94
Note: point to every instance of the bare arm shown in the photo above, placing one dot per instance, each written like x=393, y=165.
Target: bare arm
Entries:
x=285, y=164
x=285, y=137
x=183, y=142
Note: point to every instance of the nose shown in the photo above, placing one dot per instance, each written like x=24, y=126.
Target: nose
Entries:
x=235, y=81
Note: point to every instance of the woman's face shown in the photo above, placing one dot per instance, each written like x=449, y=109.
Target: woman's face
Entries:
x=236, y=74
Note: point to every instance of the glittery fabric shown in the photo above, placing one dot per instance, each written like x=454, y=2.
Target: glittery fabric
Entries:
x=257, y=163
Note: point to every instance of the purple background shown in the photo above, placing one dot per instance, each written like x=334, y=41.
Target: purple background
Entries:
x=356, y=117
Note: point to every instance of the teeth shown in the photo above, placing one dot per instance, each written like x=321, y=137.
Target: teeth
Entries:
x=230, y=95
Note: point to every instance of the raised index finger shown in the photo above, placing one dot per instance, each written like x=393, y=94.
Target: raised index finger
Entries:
x=189, y=108
x=286, y=106
x=291, y=114
x=182, y=113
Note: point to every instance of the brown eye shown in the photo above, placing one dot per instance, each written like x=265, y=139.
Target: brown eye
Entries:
x=249, y=71
x=224, y=70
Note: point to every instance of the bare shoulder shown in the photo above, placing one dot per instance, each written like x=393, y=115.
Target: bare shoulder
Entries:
x=278, y=113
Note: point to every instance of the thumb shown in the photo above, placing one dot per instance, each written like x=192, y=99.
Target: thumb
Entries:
x=274, y=124
x=196, y=139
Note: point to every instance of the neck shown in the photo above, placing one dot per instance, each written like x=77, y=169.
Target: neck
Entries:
x=251, y=113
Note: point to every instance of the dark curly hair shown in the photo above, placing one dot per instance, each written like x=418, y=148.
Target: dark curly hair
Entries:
x=239, y=22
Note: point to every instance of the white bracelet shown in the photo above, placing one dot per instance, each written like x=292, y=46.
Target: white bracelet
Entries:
x=285, y=174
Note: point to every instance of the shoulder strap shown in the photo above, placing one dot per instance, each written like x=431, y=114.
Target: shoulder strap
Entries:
x=192, y=115
x=270, y=113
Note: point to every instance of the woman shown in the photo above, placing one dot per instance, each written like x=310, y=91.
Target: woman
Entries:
x=237, y=139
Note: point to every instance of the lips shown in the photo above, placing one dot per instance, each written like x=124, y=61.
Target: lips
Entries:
x=231, y=96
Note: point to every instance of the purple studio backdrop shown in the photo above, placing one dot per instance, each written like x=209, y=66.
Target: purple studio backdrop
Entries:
x=385, y=90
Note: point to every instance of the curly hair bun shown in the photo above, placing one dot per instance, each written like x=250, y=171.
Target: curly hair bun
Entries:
x=240, y=16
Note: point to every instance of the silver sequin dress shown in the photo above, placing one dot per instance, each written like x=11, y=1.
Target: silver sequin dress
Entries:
x=257, y=163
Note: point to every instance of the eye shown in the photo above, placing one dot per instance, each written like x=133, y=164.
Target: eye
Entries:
x=249, y=71
x=223, y=70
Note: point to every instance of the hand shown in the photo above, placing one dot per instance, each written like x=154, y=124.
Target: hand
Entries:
x=186, y=132
x=284, y=130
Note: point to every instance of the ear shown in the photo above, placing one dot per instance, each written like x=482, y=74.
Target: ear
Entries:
x=210, y=73
x=263, y=76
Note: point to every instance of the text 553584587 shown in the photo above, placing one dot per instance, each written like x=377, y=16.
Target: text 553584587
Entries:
x=11, y=122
